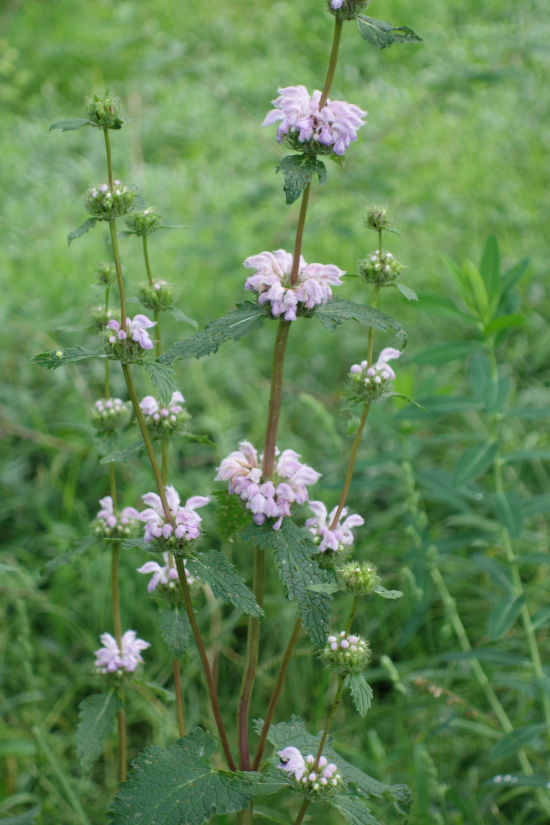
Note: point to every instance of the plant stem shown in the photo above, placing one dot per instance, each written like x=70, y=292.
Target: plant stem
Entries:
x=351, y=465
x=107, y=385
x=109, y=163
x=302, y=812
x=275, y=398
x=121, y=729
x=184, y=587
x=150, y=277
x=116, y=256
x=332, y=62
x=276, y=693
x=330, y=720
x=370, y=340
x=299, y=236
x=352, y=613
x=252, y=650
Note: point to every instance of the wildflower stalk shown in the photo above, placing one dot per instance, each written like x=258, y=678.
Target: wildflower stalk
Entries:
x=109, y=161
x=299, y=236
x=352, y=613
x=276, y=397
x=107, y=390
x=330, y=720
x=150, y=278
x=302, y=812
x=116, y=256
x=338, y=24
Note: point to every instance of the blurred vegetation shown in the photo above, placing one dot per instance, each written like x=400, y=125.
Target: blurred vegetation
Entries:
x=457, y=146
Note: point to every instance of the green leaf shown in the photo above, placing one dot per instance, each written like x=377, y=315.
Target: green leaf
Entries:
x=496, y=394
x=473, y=462
x=293, y=549
x=437, y=405
x=530, y=413
x=70, y=124
x=541, y=616
x=353, y=809
x=512, y=742
x=339, y=310
x=526, y=455
x=97, y=715
x=200, y=439
x=387, y=594
x=130, y=453
x=167, y=695
x=503, y=322
x=22, y=819
x=353, y=423
x=537, y=504
x=534, y=558
x=512, y=277
x=294, y=733
x=490, y=268
x=136, y=544
x=497, y=571
x=82, y=230
x=381, y=35
x=59, y=358
x=445, y=353
x=231, y=514
x=215, y=568
x=324, y=587
x=361, y=692
x=175, y=630
x=181, y=316
x=5, y=568
x=264, y=813
x=233, y=326
x=442, y=307
x=505, y=613
x=298, y=171
x=64, y=558
x=179, y=786
x=509, y=510
x=480, y=374
x=409, y=294
x=164, y=379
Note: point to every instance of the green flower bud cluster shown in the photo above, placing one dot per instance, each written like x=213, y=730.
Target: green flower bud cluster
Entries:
x=319, y=783
x=106, y=274
x=349, y=9
x=104, y=112
x=346, y=653
x=157, y=297
x=143, y=223
x=102, y=316
x=380, y=269
x=377, y=218
x=125, y=528
x=106, y=204
x=358, y=578
x=164, y=422
x=109, y=414
x=371, y=383
x=128, y=351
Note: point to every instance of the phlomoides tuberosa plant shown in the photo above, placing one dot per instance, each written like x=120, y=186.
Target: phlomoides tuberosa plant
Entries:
x=264, y=489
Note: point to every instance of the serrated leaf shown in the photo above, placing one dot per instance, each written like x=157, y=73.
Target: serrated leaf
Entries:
x=513, y=741
x=353, y=809
x=388, y=594
x=381, y=35
x=82, y=230
x=293, y=549
x=215, y=568
x=233, y=326
x=298, y=171
x=130, y=453
x=473, y=462
x=293, y=733
x=231, y=514
x=22, y=819
x=409, y=293
x=136, y=544
x=181, y=316
x=175, y=630
x=505, y=613
x=70, y=124
x=509, y=510
x=97, y=715
x=179, y=786
x=445, y=353
x=361, y=692
x=339, y=310
x=497, y=572
x=64, y=558
x=59, y=358
x=164, y=379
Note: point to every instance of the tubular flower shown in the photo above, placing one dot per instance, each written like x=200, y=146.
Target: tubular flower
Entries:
x=166, y=576
x=107, y=203
x=380, y=269
x=272, y=282
x=108, y=525
x=306, y=127
x=110, y=413
x=130, y=344
x=272, y=498
x=163, y=422
x=310, y=781
x=109, y=659
x=186, y=522
x=157, y=297
x=346, y=653
x=373, y=382
x=338, y=540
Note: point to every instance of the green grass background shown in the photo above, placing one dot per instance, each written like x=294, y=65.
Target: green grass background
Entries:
x=456, y=145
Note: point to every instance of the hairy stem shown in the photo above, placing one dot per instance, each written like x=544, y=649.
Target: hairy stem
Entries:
x=330, y=720
x=109, y=162
x=121, y=729
x=275, y=398
x=252, y=651
x=150, y=278
x=370, y=340
x=302, y=812
x=116, y=256
x=352, y=613
x=186, y=595
x=351, y=465
x=107, y=389
x=299, y=236
x=276, y=692
x=332, y=62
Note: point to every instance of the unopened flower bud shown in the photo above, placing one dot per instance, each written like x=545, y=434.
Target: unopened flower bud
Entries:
x=106, y=274
x=382, y=270
x=358, y=578
x=106, y=204
x=377, y=218
x=144, y=222
x=104, y=112
x=102, y=316
x=110, y=414
x=344, y=657
x=346, y=9
x=157, y=297
x=165, y=422
x=370, y=383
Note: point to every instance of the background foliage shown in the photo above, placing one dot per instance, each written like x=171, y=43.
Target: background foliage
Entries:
x=456, y=145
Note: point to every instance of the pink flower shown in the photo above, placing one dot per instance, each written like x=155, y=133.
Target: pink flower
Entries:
x=136, y=329
x=166, y=575
x=320, y=526
x=379, y=372
x=186, y=520
x=335, y=125
x=149, y=405
x=292, y=761
x=107, y=518
x=109, y=659
x=272, y=282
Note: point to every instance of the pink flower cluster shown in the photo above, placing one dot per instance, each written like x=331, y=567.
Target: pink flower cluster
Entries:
x=335, y=125
x=320, y=526
x=267, y=499
x=150, y=406
x=166, y=575
x=107, y=514
x=136, y=329
x=186, y=520
x=303, y=770
x=379, y=372
x=109, y=659
x=272, y=282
